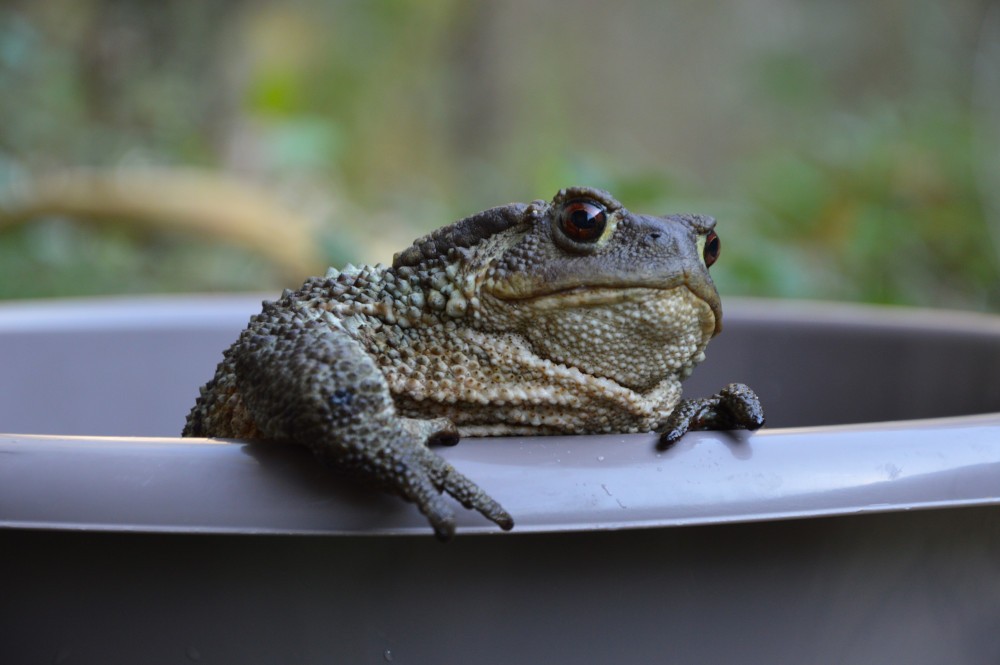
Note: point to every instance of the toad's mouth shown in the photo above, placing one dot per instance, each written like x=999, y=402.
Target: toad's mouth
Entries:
x=589, y=296
x=580, y=296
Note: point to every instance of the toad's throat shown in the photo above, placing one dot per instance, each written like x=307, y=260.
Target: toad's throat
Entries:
x=636, y=337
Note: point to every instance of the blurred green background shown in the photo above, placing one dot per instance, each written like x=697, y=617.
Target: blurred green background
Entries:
x=851, y=150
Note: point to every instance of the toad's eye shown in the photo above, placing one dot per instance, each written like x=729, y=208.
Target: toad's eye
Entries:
x=712, y=248
x=583, y=221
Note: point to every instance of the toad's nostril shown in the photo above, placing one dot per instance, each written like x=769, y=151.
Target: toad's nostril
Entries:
x=654, y=236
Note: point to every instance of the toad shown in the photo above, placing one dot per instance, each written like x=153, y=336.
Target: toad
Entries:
x=561, y=317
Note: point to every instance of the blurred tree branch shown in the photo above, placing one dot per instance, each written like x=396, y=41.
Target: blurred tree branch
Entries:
x=201, y=203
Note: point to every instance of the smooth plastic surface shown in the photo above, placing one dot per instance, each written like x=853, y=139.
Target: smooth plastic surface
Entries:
x=123, y=549
x=918, y=587
x=549, y=484
x=124, y=366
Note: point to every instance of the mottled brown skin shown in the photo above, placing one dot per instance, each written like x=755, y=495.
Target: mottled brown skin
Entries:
x=574, y=316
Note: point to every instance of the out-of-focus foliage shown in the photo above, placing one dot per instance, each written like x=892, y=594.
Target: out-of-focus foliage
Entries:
x=849, y=150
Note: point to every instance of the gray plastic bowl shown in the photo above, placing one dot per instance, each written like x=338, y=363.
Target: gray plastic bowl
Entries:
x=122, y=549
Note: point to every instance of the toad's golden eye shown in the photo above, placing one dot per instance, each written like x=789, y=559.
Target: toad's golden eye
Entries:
x=712, y=248
x=583, y=220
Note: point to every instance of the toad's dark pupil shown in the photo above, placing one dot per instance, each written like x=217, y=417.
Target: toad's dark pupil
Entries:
x=583, y=221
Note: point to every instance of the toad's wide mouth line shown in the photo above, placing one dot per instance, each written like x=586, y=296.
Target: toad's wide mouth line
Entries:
x=583, y=295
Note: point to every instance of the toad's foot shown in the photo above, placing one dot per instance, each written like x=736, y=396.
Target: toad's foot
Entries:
x=734, y=407
x=407, y=467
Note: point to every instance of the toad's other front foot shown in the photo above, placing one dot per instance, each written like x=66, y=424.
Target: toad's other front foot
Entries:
x=734, y=407
x=407, y=467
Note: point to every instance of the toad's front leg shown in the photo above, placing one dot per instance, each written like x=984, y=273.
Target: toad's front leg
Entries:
x=307, y=383
x=734, y=407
